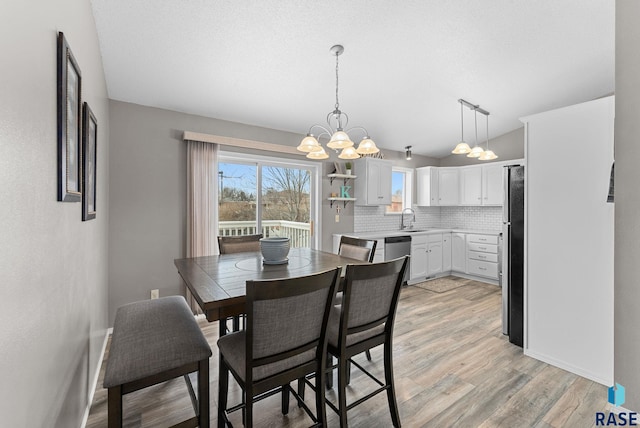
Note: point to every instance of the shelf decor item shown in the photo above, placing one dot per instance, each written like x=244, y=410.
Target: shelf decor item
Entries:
x=69, y=124
x=348, y=167
x=275, y=250
x=89, y=158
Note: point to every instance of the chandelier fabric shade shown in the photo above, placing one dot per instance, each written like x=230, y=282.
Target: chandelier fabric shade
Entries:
x=339, y=139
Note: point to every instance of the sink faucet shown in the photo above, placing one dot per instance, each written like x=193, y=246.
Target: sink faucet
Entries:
x=411, y=221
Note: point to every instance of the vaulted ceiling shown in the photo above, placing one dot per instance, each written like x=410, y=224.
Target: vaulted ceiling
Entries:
x=405, y=65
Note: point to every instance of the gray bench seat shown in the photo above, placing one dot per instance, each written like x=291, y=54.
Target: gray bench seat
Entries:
x=154, y=341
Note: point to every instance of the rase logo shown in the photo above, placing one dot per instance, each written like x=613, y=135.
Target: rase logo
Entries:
x=616, y=398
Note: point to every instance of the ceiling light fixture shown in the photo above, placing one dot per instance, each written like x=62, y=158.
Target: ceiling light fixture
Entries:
x=476, y=151
x=339, y=138
x=462, y=148
x=408, y=149
x=487, y=154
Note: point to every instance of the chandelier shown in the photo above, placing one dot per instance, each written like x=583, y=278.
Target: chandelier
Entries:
x=338, y=137
x=462, y=147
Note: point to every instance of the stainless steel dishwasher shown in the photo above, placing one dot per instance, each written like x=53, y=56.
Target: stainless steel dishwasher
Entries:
x=398, y=246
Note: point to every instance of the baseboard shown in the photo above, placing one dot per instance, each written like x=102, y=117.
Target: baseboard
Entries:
x=96, y=376
x=568, y=367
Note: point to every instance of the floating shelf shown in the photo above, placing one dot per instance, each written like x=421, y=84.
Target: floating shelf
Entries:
x=344, y=177
x=345, y=200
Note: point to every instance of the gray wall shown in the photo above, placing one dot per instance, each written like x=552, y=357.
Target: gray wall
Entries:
x=53, y=266
x=507, y=146
x=627, y=235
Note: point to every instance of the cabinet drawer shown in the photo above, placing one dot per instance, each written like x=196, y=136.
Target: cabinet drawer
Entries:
x=488, y=269
x=485, y=257
x=418, y=239
x=483, y=248
x=434, y=237
x=483, y=239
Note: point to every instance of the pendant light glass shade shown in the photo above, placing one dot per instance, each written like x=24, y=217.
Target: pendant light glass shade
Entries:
x=309, y=144
x=475, y=152
x=320, y=154
x=348, y=153
x=339, y=140
x=461, y=149
x=367, y=147
x=488, y=155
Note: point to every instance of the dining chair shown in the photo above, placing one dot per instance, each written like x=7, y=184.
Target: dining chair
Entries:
x=359, y=249
x=284, y=340
x=238, y=244
x=363, y=321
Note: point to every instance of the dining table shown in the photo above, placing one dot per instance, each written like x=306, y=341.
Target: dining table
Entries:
x=217, y=283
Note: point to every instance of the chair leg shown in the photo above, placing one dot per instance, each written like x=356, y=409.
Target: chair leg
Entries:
x=368, y=353
x=321, y=410
x=301, y=387
x=329, y=372
x=114, y=397
x=348, y=372
x=391, y=390
x=285, y=398
x=223, y=386
x=203, y=393
x=248, y=411
x=342, y=391
x=236, y=323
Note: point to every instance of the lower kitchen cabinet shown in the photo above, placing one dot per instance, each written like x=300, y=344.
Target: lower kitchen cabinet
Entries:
x=482, y=253
x=419, y=257
x=458, y=252
x=434, y=254
x=446, y=252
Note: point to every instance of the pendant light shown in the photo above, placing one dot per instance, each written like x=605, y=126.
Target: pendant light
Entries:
x=462, y=147
x=408, y=152
x=487, y=154
x=477, y=150
x=338, y=137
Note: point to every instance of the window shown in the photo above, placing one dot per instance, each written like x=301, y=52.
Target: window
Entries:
x=401, y=190
x=263, y=195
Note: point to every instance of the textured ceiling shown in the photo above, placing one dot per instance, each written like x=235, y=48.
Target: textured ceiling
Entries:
x=405, y=65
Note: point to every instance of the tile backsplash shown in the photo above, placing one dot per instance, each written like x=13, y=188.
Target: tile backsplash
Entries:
x=372, y=219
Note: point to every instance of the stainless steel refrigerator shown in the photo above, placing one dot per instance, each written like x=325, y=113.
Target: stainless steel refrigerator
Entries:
x=512, y=273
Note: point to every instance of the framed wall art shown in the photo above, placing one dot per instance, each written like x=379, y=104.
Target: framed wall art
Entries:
x=69, y=124
x=89, y=158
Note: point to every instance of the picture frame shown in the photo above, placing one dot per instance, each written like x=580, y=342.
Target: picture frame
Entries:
x=69, y=80
x=89, y=162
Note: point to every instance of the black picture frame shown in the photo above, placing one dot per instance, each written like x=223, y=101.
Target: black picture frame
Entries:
x=69, y=124
x=89, y=162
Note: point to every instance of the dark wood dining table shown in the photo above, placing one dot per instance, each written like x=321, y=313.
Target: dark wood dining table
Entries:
x=217, y=283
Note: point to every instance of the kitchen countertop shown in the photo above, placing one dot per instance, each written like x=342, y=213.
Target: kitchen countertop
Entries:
x=387, y=233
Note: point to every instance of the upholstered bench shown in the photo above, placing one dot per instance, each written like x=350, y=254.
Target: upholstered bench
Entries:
x=154, y=341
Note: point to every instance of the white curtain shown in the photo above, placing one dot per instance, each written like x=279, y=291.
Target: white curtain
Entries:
x=202, y=199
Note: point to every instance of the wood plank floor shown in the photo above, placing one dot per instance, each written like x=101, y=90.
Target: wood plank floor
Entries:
x=453, y=367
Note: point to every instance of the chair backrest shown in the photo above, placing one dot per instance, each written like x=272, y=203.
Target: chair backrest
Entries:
x=239, y=244
x=287, y=318
x=359, y=249
x=370, y=296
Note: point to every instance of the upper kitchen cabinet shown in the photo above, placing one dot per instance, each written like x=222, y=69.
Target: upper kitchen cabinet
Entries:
x=427, y=189
x=471, y=185
x=374, y=182
x=492, y=185
x=448, y=186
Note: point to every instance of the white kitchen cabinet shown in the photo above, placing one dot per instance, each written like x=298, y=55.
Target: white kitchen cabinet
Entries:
x=448, y=186
x=471, y=185
x=434, y=254
x=446, y=252
x=378, y=255
x=419, y=257
x=482, y=253
x=427, y=186
x=374, y=182
x=492, y=184
x=458, y=252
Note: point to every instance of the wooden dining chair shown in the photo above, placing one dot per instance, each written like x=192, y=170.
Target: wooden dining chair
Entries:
x=238, y=244
x=359, y=249
x=284, y=340
x=363, y=321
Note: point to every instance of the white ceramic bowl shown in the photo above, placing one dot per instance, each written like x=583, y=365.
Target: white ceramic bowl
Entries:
x=274, y=249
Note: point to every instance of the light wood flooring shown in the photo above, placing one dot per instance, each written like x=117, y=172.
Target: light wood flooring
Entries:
x=453, y=367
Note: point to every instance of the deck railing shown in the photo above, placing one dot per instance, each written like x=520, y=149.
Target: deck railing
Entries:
x=299, y=233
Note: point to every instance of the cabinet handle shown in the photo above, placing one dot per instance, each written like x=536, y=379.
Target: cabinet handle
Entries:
x=482, y=248
x=481, y=257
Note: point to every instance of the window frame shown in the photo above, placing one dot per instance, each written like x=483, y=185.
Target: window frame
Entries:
x=407, y=186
